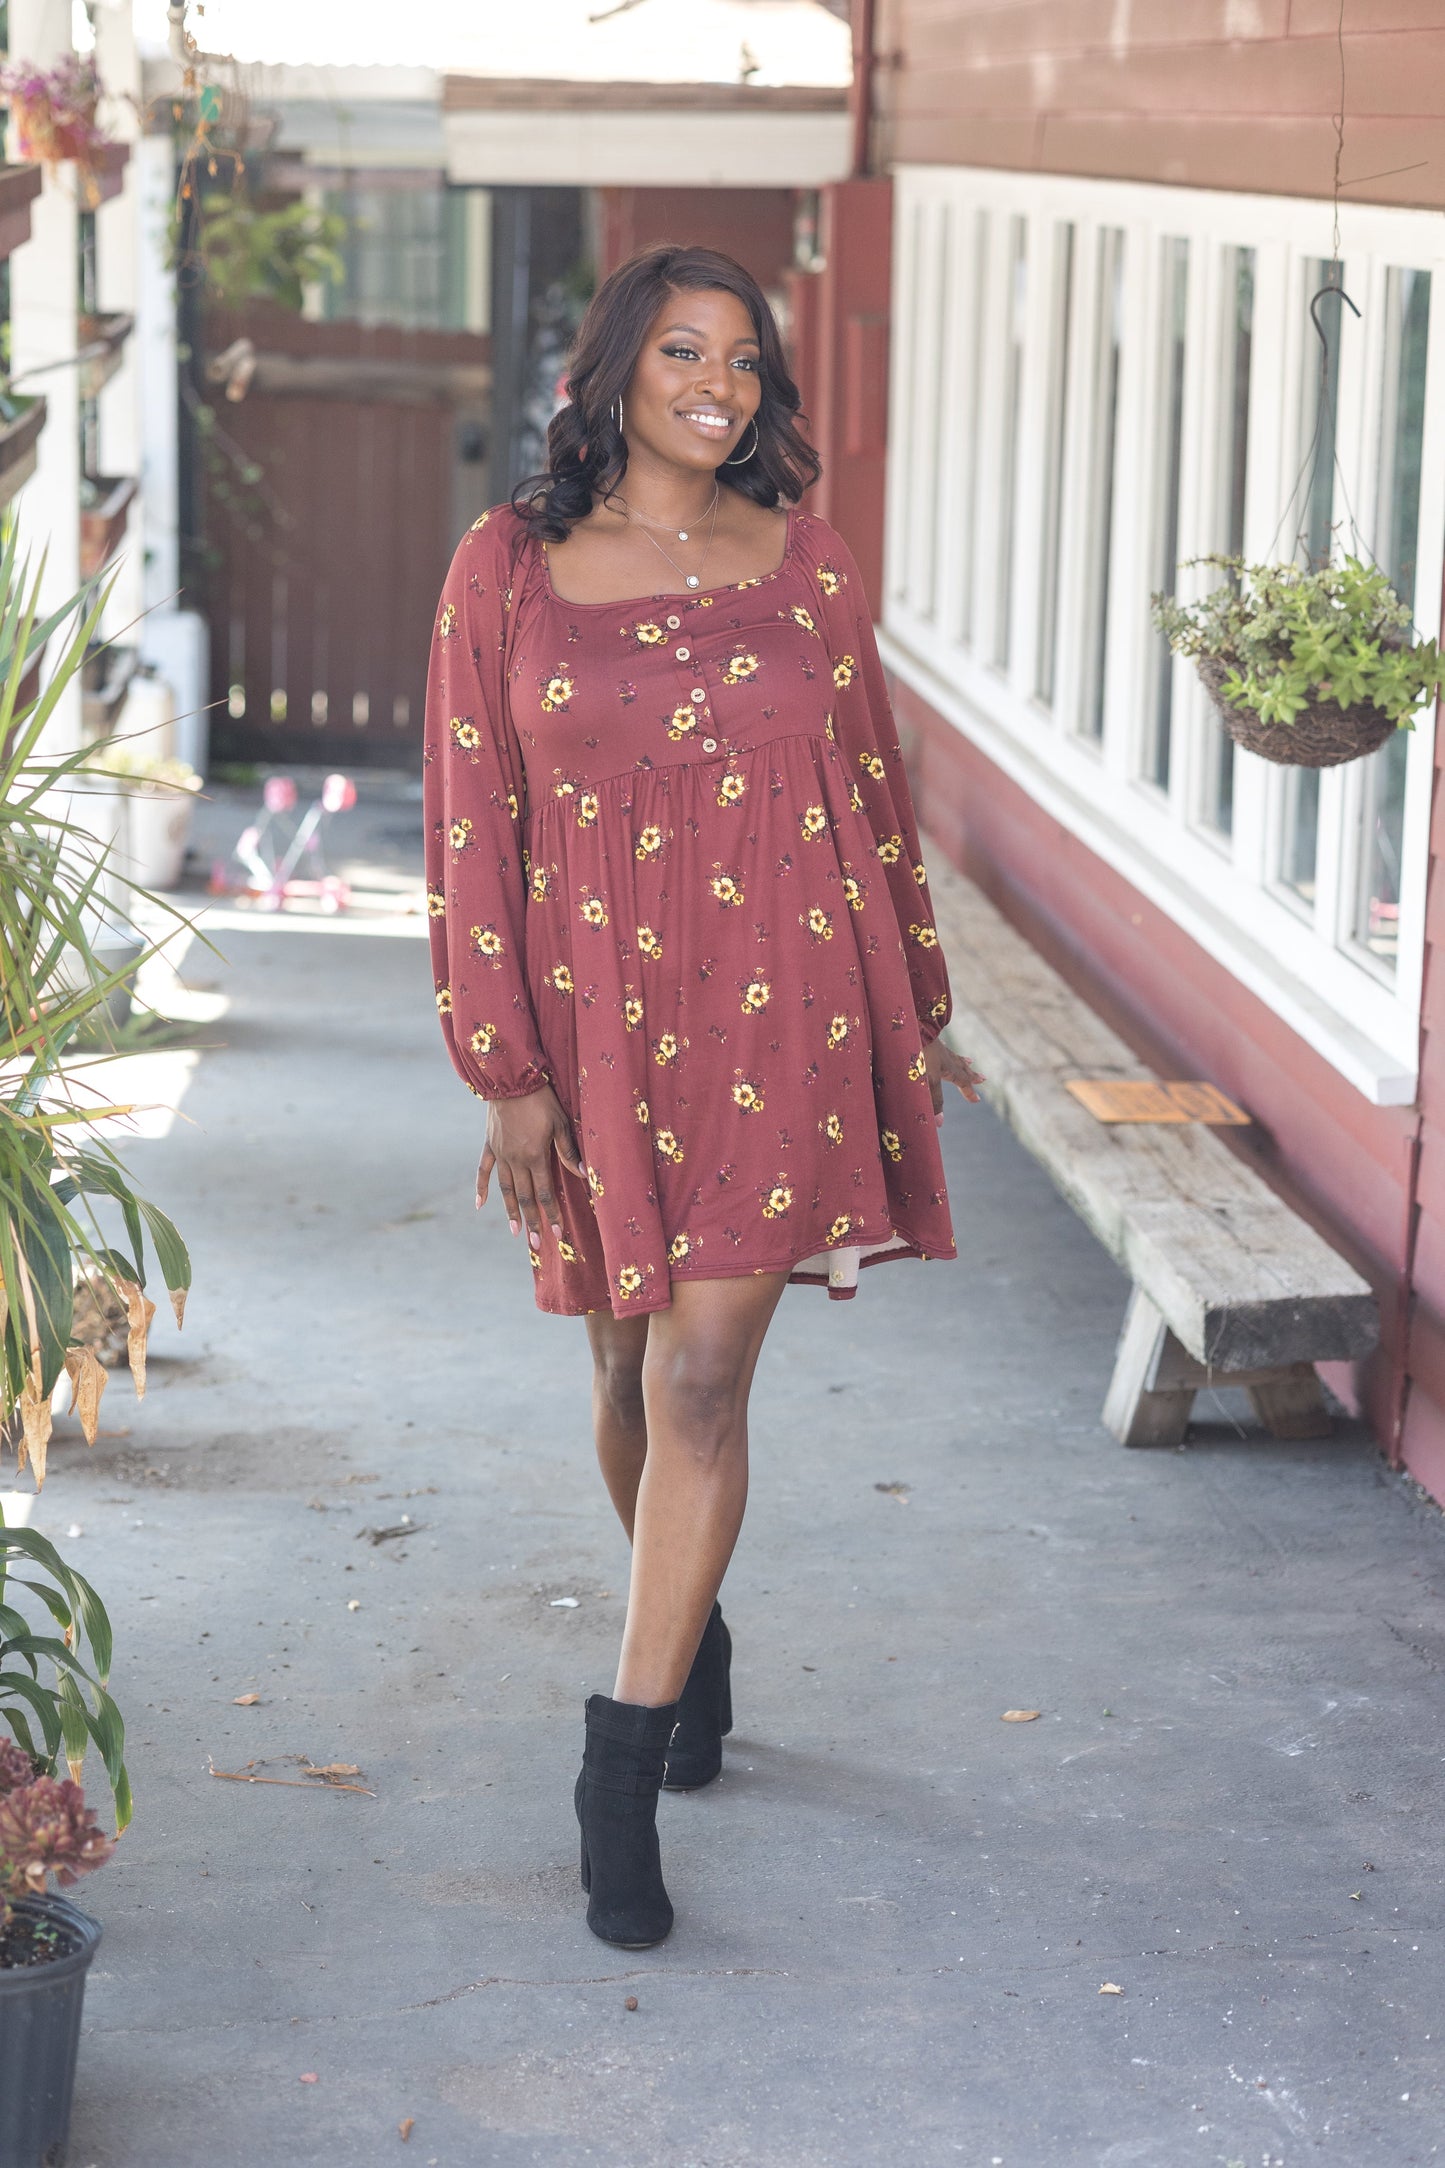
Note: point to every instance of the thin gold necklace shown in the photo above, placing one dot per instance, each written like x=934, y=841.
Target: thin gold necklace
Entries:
x=645, y=519
x=689, y=579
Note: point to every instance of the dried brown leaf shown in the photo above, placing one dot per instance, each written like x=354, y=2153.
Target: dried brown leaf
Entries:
x=1020, y=1716
x=178, y=1304
x=88, y=1381
x=405, y=2127
x=1109, y=1988
x=139, y=1312
x=35, y=1423
x=246, y=1701
x=328, y=1772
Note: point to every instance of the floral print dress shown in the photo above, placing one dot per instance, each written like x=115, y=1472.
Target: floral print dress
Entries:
x=673, y=871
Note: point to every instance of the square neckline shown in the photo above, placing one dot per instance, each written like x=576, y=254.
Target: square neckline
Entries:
x=690, y=594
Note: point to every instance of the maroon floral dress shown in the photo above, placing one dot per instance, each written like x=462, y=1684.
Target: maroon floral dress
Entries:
x=673, y=871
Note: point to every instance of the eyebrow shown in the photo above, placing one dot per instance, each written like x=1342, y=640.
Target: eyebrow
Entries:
x=746, y=340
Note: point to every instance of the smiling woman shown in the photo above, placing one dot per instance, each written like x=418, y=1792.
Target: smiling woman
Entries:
x=683, y=950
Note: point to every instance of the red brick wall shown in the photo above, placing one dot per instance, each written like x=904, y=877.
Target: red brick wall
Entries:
x=1201, y=93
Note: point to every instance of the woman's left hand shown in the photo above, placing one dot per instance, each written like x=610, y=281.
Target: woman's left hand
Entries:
x=943, y=1066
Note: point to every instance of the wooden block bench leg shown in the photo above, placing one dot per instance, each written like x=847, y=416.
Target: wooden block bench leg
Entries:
x=1136, y=1411
x=1292, y=1404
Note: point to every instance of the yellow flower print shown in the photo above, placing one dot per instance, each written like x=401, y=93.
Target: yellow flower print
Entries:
x=478, y=524
x=819, y=923
x=667, y=1146
x=748, y=1097
x=678, y=1248
x=466, y=733
x=890, y=850
x=917, y=1070
x=488, y=942
x=828, y=579
x=837, y=1030
x=436, y=903
x=561, y=978
x=536, y=1260
x=891, y=1142
x=871, y=765
x=813, y=821
x=740, y=669
x=726, y=889
x=645, y=634
x=683, y=720
x=648, y=844
x=649, y=944
x=541, y=883
x=556, y=694
x=800, y=617
x=853, y=893
x=459, y=835
x=447, y=623
x=840, y=1227
x=666, y=1049
x=832, y=1129
x=512, y=806
x=923, y=936
x=756, y=996
x=629, y=1282
x=843, y=671
x=594, y=1183
x=730, y=789
x=779, y=1201
x=483, y=1039
x=632, y=1013
x=641, y=1111
x=939, y=1009
x=920, y=874
x=587, y=809
x=828, y=730
x=564, y=789
x=593, y=911
x=444, y=1001
x=855, y=797
x=566, y=1252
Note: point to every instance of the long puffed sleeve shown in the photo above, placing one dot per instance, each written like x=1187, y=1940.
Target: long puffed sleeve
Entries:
x=474, y=789
x=867, y=737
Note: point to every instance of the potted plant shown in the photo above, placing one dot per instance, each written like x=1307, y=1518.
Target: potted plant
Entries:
x=160, y=804
x=46, y=1946
x=1308, y=666
x=54, y=110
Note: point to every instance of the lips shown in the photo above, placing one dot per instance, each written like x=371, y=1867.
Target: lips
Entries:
x=707, y=421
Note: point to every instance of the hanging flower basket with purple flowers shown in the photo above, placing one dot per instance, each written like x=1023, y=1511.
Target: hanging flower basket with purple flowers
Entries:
x=54, y=111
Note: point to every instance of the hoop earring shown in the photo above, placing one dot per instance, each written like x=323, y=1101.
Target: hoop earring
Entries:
x=740, y=459
x=617, y=414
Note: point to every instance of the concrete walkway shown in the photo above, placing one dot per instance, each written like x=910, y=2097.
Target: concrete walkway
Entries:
x=896, y=1912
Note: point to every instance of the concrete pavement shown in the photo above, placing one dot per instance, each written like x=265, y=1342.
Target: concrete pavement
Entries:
x=895, y=1912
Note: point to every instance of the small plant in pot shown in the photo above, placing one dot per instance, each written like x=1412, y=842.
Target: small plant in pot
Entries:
x=46, y=1946
x=1307, y=666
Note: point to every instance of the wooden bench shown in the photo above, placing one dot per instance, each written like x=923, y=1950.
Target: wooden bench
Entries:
x=1231, y=1287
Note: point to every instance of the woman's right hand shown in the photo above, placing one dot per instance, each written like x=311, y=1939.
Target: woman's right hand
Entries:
x=522, y=1135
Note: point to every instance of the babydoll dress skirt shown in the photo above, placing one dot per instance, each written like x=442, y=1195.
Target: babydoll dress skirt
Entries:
x=673, y=870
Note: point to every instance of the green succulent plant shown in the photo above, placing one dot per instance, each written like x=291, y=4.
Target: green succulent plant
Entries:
x=1292, y=637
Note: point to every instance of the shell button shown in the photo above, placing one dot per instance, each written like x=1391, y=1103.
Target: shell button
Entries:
x=699, y=692
x=709, y=745
x=673, y=623
x=684, y=654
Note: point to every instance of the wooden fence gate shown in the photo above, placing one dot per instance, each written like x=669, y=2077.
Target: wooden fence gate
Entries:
x=333, y=492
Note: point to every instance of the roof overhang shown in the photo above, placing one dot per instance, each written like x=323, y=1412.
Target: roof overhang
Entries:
x=552, y=132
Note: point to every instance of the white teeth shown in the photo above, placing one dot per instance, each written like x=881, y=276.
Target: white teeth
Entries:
x=719, y=422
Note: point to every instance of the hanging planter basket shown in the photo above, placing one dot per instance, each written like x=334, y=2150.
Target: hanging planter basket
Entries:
x=1322, y=735
x=1308, y=666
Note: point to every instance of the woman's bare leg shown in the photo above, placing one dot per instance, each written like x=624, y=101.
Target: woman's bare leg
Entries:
x=697, y=1370
x=619, y=1417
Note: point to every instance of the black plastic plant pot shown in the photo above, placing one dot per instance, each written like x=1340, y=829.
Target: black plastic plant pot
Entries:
x=40, y=2034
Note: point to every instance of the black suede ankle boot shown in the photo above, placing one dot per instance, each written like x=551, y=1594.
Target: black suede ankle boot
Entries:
x=616, y=1801
x=704, y=1711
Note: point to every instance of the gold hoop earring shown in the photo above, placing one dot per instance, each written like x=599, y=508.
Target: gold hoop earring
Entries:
x=740, y=459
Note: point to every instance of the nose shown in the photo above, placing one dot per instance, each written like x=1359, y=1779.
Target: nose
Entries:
x=712, y=383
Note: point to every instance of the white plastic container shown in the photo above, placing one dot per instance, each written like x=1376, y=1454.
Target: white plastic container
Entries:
x=158, y=819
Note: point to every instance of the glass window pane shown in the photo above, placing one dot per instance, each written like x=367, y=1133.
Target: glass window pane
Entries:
x=1301, y=831
x=1008, y=465
x=1169, y=444
x=1099, y=510
x=1059, y=333
x=1402, y=436
x=1218, y=797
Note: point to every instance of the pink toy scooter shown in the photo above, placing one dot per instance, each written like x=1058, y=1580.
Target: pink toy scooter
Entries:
x=270, y=856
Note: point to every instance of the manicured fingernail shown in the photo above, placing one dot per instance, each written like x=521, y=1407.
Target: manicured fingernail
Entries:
x=534, y=1238
x=514, y=1227
x=555, y=1228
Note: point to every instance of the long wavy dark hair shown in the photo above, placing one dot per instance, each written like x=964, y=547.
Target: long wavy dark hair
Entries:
x=587, y=452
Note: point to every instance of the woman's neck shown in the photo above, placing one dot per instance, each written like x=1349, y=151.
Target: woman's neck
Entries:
x=674, y=496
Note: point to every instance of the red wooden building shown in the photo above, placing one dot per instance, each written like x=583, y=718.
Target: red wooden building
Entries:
x=1084, y=238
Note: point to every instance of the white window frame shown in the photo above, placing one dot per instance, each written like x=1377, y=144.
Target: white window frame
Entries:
x=1299, y=959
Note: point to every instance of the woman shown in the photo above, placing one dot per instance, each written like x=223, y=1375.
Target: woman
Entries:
x=684, y=952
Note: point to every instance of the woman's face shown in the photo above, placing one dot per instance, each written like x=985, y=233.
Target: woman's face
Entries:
x=696, y=385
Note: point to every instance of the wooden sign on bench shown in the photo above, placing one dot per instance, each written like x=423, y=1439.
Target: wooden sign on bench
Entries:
x=1143, y=1099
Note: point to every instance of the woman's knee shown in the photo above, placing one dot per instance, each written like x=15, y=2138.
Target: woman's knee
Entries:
x=698, y=1393
x=617, y=1380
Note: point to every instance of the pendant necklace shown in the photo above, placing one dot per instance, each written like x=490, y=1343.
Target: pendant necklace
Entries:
x=645, y=520
x=689, y=579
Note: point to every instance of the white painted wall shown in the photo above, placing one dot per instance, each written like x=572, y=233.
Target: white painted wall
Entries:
x=117, y=249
